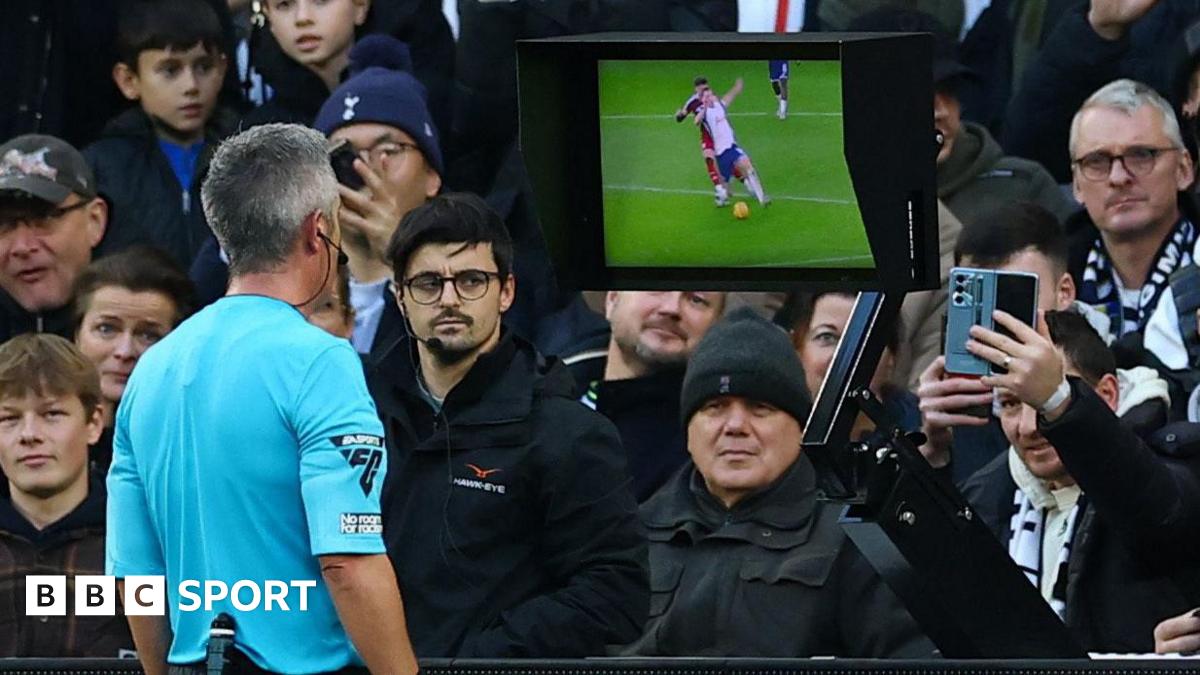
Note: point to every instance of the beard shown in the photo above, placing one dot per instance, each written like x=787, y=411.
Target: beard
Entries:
x=454, y=350
x=449, y=355
x=652, y=359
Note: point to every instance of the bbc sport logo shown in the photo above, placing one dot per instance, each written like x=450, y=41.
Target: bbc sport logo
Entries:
x=96, y=595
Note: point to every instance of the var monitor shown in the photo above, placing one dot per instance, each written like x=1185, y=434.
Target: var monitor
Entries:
x=733, y=161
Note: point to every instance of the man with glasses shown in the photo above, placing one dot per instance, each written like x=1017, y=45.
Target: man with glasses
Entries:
x=1130, y=171
x=382, y=114
x=50, y=220
x=507, y=511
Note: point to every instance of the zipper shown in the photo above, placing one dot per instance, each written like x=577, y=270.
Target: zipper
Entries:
x=187, y=202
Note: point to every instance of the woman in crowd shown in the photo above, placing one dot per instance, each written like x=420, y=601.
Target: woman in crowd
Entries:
x=124, y=303
x=816, y=322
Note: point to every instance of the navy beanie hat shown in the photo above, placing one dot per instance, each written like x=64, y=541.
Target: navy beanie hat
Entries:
x=380, y=90
x=745, y=355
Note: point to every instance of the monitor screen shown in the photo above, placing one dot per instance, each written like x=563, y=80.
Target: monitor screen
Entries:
x=702, y=165
x=644, y=179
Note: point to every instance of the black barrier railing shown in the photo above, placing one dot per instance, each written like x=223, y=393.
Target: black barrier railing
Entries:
x=691, y=666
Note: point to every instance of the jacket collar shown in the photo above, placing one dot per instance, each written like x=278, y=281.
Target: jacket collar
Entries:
x=658, y=389
x=136, y=123
x=973, y=154
x=786, y=509
x=493, y=402
x=56, y=321
x=88, y=516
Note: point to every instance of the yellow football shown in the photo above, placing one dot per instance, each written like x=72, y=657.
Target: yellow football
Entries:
x=741, y=211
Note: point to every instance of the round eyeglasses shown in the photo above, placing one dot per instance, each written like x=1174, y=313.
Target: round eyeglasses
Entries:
x=427, y=288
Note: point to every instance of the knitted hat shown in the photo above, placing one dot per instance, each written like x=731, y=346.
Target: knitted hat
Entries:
x=45, y=167
x=380, y=90
x=745, y=355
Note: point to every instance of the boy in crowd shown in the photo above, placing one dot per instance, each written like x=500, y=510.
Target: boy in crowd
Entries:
x=52, y=520
x=150, y=159
x=306, y=56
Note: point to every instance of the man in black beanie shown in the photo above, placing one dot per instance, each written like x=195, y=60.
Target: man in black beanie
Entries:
x=744, y=560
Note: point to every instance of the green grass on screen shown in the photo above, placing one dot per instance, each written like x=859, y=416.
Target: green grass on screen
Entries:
x=658, y=200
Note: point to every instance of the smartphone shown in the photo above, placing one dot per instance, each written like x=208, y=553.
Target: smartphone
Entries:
x=974, y=295
x=342, y=157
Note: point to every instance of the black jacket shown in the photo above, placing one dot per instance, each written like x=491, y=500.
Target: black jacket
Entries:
x=773, y=577
x=14, y=320
x=1134, y=556
x=72, y=546
x=148, y=205
x=645, y=411
x=508, y=516
x=1073, y=63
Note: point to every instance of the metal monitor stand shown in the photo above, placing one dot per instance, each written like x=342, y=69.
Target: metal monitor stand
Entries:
x=922, y=537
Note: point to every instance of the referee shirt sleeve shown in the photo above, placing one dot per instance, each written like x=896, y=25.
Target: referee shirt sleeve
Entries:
x=131, y=545
x=342, y=458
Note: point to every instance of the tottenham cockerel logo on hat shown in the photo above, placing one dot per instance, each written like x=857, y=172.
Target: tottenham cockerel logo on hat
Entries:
x=350, y=102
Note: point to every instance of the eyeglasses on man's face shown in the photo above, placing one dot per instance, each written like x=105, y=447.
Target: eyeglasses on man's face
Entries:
x=43, y=221
x=427, y=288
x=1137, y=160
x=389, y=150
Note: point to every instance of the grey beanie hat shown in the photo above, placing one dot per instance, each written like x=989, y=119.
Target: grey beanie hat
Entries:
x=746, y=355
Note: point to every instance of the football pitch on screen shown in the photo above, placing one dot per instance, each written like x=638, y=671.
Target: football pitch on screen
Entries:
x=659, y=206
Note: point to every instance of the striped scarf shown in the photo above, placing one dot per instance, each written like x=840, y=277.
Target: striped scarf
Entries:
x=1100, y=288
x=1025, y=547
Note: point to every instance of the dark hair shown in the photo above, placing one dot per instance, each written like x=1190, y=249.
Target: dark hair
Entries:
x=138, y=269
x=451, y=217
x=996, y=236
x=1081, y=344
x=166, y=24
x=47, y=364
x=796, y=315
x=700, y=79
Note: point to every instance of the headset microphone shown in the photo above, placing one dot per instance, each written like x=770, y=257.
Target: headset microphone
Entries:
x=433, y=342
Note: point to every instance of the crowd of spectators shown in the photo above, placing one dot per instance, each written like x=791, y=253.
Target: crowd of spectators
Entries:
x=618, y=474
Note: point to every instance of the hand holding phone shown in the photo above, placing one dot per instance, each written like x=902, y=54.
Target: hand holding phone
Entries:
x=1035, y=366
x=342, y=157
x=975, y=295
x=944, y=403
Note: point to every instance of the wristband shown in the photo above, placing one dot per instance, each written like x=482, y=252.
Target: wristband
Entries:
x=1056, y=399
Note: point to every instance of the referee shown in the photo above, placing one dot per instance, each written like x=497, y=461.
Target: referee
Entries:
x=246, y=445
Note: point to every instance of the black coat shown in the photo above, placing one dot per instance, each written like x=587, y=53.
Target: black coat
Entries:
x=508, y=516
x=645, y=411
x=147, y=203
x=1135, y=552
x=773, y=577
x=14, y=320
x=1073, y=63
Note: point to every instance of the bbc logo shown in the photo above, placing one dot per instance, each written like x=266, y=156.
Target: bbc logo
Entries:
x=46, y=595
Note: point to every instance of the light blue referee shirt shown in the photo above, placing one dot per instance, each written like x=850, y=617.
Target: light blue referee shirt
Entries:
x=246, y=445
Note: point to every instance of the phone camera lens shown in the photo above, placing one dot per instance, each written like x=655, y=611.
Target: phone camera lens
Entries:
x=958, y=298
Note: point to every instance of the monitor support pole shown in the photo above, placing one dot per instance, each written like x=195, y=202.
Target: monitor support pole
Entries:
x=947, y=567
